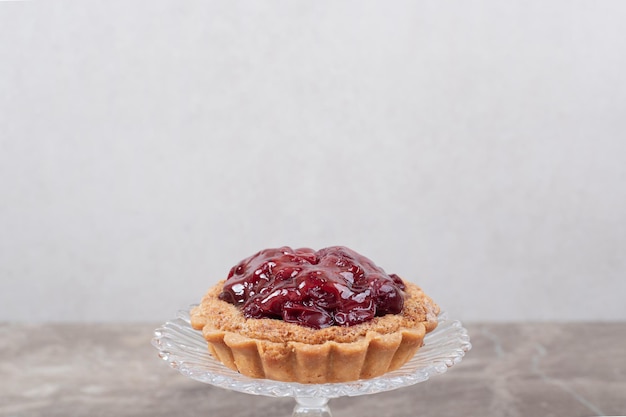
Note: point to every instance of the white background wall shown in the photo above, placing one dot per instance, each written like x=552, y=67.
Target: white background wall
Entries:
x=476, y=148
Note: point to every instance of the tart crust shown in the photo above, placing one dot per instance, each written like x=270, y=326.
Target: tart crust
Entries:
x=274, y=349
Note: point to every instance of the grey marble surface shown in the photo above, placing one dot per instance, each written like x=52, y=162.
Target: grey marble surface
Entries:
x=64, y=370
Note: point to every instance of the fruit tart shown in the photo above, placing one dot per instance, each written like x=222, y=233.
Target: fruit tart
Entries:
x=313, y=317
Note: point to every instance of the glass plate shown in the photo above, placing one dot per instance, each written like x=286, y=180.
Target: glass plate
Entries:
x=186, y=350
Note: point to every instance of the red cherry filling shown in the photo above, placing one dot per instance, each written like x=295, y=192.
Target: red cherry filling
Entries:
x=333, y=286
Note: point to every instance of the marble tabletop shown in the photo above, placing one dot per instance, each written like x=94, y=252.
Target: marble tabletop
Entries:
x=547, y=369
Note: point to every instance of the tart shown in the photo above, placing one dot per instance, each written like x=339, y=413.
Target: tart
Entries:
x=313, y=317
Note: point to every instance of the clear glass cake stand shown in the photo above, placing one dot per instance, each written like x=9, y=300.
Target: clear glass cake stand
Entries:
x=184, y=349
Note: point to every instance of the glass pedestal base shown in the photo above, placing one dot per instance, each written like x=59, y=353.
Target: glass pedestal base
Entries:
x=311, y=407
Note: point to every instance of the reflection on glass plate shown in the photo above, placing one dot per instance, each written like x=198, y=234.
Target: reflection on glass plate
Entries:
x=186, y=350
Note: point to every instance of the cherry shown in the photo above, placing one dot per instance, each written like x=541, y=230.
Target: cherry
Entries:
x=307, y=315
x=333, y=286
x=388, y=296
x=398, y=281
x=356, y=310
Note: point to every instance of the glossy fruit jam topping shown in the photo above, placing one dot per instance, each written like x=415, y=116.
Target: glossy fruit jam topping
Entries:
x=334, y=286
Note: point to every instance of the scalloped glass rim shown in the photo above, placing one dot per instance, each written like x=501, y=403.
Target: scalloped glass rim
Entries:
x=186, y=350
